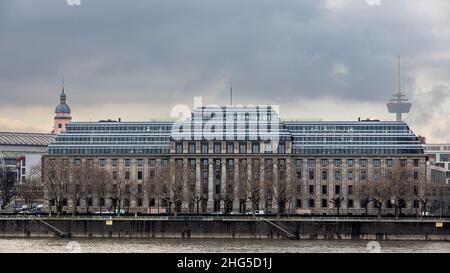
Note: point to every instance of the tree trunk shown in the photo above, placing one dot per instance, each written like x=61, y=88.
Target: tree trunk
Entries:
x=379, y=210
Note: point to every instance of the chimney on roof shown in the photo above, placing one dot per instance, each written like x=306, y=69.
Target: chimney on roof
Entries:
x=120, y=119
x=359, y=119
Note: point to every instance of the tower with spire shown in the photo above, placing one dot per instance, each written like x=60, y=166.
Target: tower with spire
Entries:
x=398, y=103
x=62, y=113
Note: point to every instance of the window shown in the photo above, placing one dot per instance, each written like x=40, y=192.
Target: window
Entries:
x=127, y=175
x=350, y=189
x=204, y=148
x=102, y=162
x=389, y=163
x=139, y=202
x=217, y=148
x=324, y=163
x=140, y=175
x=350, y=203
x=311, y=189
x=126, y=202
x=192, y=148
x=402, y=162
x=255, y=148
x=281, y=148
x=363, y=174
x=350, y=174
x=311, y=163
x=299, y=203
x=217, y=188
x=242, y=148
x=311, y=174
x=376, y=163
x=324, y=203
x=337, y=189
x=140, y=162
x=114, y=175
x=324, y=189
x=101, y=202
x=298, y=163
x=416, y=163
x=363, y=163
x=164, y=162
x=151, y=202
x=230, y=148
x=311, y=203
x=179, y=148
x=324, y=175
x=127, y=162
x=376, y=175
x=77, y=162
x=350, y=163
x=139, y=188
x=337, y=175
x=416, y=174
x=337, y=163
x=114, y=162
x=152, y=173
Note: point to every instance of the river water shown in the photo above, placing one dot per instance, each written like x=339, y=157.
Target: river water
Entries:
x=55, y=245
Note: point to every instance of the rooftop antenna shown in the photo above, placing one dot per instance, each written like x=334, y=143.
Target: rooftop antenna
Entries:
x=398, y=103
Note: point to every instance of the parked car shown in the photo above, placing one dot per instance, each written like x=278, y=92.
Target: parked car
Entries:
x=259, y=212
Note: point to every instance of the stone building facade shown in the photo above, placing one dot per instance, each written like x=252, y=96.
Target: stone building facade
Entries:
x=238, y=160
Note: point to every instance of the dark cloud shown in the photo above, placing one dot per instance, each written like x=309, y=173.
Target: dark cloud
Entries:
x=163, y=51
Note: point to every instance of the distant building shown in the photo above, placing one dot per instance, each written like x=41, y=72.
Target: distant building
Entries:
x=62, y=115
x=439, y=155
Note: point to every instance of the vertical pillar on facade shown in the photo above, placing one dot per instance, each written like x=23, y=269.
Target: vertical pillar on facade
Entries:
x=223, y=183
x=249, y=185
x=198, y=189
x=236, y=197
x=185, y=195
x=158, y=184
x=289, y=185
x=262, y=185
x=274, y=186
x=210, y=204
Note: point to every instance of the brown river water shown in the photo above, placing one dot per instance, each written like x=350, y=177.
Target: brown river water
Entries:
x=56, y=245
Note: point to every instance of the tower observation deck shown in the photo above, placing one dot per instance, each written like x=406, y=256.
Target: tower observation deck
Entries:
x=398, y=103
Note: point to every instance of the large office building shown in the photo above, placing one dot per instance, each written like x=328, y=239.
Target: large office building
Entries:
x=235, y=159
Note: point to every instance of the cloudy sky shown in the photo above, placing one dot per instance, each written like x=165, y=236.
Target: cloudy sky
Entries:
x=316, y=59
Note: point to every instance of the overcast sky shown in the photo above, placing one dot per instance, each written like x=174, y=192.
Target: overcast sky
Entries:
x=331, y=60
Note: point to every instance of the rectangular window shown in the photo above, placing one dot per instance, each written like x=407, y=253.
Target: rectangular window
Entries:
x=363, y=163
x=179, y=148
x=311, y=163
x=114, y=162
x=324, y=189
x=242, y=148
x=311, y=189
x=337, y=163
x=299, y=203
x=140, y=175
x=337, y=189
x=389, y=163
x=402, y=162
x=324, y=203
x=114, y=175
x=337, y=175
x=102, y=162
x=416, y=174
x=164, y=162
x=230, y=148
x=139, y=188
x=376, y=163
x=311, y=174
x=324, y=175
x=416, y=163
x=127, y=162
x=363, y=174
x=324, y=163
x=127, y=175
x=152, y=162
x=101, y=202
x=139, y=202
x=192, y=148
x=255, y=148
x=298, y=163
x=350, y=174
x=350, y=163
x=217, y=148
x=217, y=189
x=140, y=162
x=77, y=162
x=376, y=175
x=350, y=203
x=350, y=189
x=204, y=148
x=281, y=148
x=311, y=203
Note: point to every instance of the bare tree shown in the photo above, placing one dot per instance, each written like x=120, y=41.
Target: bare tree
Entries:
x=283, y=191
x=32, y=190
x=100, y=187
x=173, y=187
x=400, y=189
x=252, y=190
x=379, y=192
x=57, y=183
x=421, y=192
x=337, y=202
x=116, y=187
